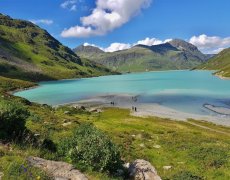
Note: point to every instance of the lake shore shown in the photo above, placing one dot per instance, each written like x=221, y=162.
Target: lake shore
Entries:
x=222, y=77
x=127, y=101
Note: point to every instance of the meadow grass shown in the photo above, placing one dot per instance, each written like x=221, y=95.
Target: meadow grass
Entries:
x=186, y=148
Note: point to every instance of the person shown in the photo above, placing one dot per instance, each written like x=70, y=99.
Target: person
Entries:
x=135, y=109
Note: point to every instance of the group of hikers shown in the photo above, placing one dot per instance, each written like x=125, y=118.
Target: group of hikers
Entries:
x=134, y=108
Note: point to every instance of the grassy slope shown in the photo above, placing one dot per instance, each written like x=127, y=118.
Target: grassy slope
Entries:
x=7, y=84
x=29, y=52
x=184, y=147
x=220, y=62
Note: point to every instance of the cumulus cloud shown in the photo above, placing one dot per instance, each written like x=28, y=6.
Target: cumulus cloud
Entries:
x=42, y=21
x=106, y=16
x=112, y=47
x=152, y=41
x=122, y=46
x=88, y=44
x=117, y=47
x=69, y=4
x=210, y=44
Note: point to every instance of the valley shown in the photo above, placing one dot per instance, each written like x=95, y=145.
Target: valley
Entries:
x=97, y=112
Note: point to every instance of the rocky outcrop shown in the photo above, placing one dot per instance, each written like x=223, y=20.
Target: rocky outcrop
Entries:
x=142, y=170
x=58, y=170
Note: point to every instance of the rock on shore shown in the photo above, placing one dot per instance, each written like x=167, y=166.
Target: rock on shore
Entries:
x=142, y=170
x=58, y=170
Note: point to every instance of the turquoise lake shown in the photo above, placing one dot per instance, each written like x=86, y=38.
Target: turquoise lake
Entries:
x=185, y=91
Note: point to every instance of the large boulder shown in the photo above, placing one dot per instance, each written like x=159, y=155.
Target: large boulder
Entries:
x=142, y=170
x=58, y=170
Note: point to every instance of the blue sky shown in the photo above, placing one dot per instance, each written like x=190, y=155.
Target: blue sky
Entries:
x=205, y=23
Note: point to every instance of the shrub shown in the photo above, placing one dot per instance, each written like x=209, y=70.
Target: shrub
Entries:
x=48, y=145
x=12, y=119
x=90, y=148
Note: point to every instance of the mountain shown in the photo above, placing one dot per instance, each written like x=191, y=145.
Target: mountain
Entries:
x=220, y=62
x=176, y=54
x=88, y=49
x=31, y=53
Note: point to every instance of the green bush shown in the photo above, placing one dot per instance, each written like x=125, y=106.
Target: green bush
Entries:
x=90, y=148
x=12, y=119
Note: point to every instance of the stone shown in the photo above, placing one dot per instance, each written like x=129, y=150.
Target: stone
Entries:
x=167, y=167
x=142, y=145
x=57, y=169
x=1, y=175
x=157, y=146
x=142, y=170
x=126, y=165
x=66, y=124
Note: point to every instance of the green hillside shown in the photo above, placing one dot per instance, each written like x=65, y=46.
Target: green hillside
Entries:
x=220, y=62
x=31, y=53
x=174, y=55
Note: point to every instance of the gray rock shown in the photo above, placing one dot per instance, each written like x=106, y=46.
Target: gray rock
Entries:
x=58, y=170
x=167, y=167
x=1, y=175
x=142, y=170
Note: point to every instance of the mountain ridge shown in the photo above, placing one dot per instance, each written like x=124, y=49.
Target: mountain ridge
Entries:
x=173, y=55
x=31, y=53
x=220, y=63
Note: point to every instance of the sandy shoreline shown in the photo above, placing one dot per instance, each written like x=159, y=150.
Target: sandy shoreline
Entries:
x=126, y=101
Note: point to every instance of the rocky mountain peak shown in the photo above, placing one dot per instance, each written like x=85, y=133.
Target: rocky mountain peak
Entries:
x=183, y=45
x=87, y=49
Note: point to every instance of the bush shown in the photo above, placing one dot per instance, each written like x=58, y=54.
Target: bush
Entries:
x=48, y=145
x=90, y=148
x=12, y=119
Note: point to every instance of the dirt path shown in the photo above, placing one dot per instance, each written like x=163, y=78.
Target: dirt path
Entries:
x=208, y=128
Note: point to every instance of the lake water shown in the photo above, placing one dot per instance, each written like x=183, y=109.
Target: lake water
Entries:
x=185, y=91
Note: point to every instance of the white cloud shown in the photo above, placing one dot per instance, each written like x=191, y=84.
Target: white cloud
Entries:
x=42, y=21
x=122, y=46
x=112, y=47
x=117, y=47
x=88, y=44
x=106, y=16
x=152, y=41
x=70, y=4
x=210, y=44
